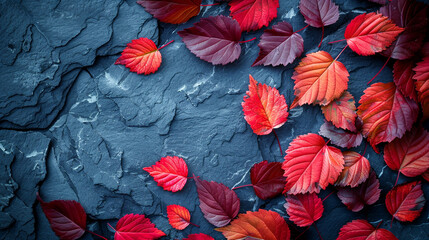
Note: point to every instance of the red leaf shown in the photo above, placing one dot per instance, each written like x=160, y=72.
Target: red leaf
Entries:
x=410, y=15
x=370, y=33
x=218, y=203
x=172, y=11
x=366, y=193
x=141, y=56
x=214, y=39
x=356, y=170
x=342, y=112
x=405, y=202
x=310, y=164
x=136, y=227
x=264, y=108
x=178, y=216
x=410, y=154
x=386, y=113
x=340, y=137
x=253, y=14
x=267, y=179
x=66, y=217
x=422, y=84
x=319, y=79
x=304, y=209
x=403, y=77
x=279, y=46
x=363, y=230
x=263, y=224
x=198, y=236
x=319, y=13
x=170, y=173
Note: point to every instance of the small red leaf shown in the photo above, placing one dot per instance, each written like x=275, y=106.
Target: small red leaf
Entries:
x=136, y=227
x=422, y=84
x=340, y=137
x=172, y=11
x=279, y=46
x=319, y=13
x=405, y=202
x=267, y=179
x=366, y=193
x=218, y=203
x=342, y=112
x=178, y=216
x=170, y=173
x=214, y=39
x=141, y=56
x=370, y=33
x=356, y=170
x=264, y=108
x=253, y=14
x=304, y=209
x=198, y=236
x=310, y=164
x=66, y=217
x=363, y=230
x=403, y=77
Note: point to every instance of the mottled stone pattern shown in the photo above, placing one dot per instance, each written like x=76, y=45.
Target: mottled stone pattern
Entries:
x=75, y=126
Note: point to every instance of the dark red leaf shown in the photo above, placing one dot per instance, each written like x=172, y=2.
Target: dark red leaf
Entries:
x=279, y=46
x=342, y=112
x=136, y=227
x=218, y=203
x=403, y=77
x=422, y=84
x=425, y=175
x=170, y=173
x=198, y=236
x=319, y=13
x=366, y=193
x=172, y=11
x=363, y=230
x=66, y=217
x=214, y=39
x=304, y=209
x=253, y=14
x=405, y=202
x=267, y=179
x=340, y=137
x=356, y=170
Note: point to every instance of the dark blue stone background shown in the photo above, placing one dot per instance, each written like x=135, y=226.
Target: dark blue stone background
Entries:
x=76, y=126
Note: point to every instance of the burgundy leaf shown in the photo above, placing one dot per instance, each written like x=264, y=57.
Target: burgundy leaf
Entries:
x=340, y=137
x=403, y=76
x=267, y=179
x=406, y=201
x=319, y=13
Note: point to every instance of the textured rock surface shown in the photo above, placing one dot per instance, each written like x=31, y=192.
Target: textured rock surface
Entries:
x=81, y=128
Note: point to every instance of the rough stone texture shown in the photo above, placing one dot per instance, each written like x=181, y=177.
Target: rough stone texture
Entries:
x=82, y=128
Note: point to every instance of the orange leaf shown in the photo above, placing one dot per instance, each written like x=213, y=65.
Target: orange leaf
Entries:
x=342, y=112
x=170, y=173
x=178, y=216
x=356, y=170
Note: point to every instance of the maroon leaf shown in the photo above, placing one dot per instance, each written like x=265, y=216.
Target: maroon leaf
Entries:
x=136, y=227
x=304, y=209
x=218, y=203
x=319, y=13
x=66, y=217
x=340, y=137
x=214, y=39
x=366, y=193
x=405, y=202
x=279, y=46
x=267, y=179
x=403, y=76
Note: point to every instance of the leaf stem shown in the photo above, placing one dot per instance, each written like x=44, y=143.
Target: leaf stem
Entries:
x=397, y=178
x=337, y=41
x=379, y=224
x=364, y=151
x=242, y=186
x=302, y=232
x=247, y=40
x=379, y=71
x=193, y=224
x=111, y=227
x=328, y=196
x=302, y=29
x=208, y=5
x=165, y=45
x=340, y=53
x=323, y=33
x=317, y=230
x=95, y=234
x=278, y=141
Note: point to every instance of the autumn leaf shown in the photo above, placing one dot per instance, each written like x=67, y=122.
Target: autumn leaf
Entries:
x=264, y=108
x=361, y=229
x=403, y=77
x=405, y=202
x=253, y=14
x=198, y=236
x=137, y=227
x=370, y=33
x=425, y=175
x=340, y=137
x=304, y=209
x=310, y=164
x=263, y=224
x=178, y=216
x=422, y=84
x=66, y=217
x=279, y=46
x=319, y=79
x=356, y=170
x=170, y=173
x=342, y=112
x=386, y=113
x=367, y=193
x=172, y=11
x=218, y=203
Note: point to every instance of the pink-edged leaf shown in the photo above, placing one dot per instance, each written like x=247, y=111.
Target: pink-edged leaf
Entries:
x=342, y=112
x=253, y=14
x=279, y=46
x=172, y=11
x=136, y=227
x=340, y=137
x=267, y=179
x=412, y=16
x=304, y=209
x=218, y=203
x=170, y=173
x=366, y=193
x=410, y=154
x=319, y=13
x=363, y=230
x=403, y=77
x=214, y=39
x=198, y=236
x=356, y=170
x=66, y=217
x=422, y=84
x=178, y=216
x=405, y=202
